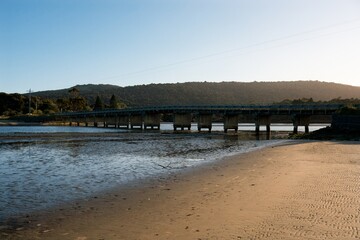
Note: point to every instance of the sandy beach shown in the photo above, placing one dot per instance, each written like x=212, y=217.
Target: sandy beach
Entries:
x=304, y=190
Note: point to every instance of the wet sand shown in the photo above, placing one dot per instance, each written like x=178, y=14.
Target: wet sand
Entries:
x=307, y=190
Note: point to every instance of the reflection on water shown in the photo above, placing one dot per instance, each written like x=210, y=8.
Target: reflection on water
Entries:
x=45, y=170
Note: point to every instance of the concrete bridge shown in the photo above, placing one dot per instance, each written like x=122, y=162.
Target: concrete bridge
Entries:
x=183, y=116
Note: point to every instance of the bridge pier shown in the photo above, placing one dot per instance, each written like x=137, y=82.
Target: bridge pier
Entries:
x=104, y=120
x=98, y=120
x=86, y=122
x=112, y=121
x=75, y=121
x=231, y=121
x=152, y=120
x=123, y=122
x=182, y=121
x=262, y=120
x=136, y=121
x=205, y=121
x=301, y=120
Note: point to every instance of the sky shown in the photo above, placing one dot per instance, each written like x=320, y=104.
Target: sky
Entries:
x=55, y=44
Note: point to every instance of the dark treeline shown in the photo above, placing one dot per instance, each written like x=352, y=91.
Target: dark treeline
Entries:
x=17, y=104
x=303, y=101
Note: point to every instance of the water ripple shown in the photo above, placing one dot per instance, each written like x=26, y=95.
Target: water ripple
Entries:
x=44, y=171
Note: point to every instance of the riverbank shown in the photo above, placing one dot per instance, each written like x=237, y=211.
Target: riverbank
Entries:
x=17, y=123
x=307, y=190
x=330, y=133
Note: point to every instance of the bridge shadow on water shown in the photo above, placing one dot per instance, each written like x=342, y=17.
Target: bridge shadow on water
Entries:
x=231, y=135
x=248, y=135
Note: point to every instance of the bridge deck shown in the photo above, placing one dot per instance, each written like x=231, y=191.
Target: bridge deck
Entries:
x=299, y=115
x=237, y=109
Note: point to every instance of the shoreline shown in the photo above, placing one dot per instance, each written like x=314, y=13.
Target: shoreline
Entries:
x=20, y=219
x=6, y=123
x=297, y=190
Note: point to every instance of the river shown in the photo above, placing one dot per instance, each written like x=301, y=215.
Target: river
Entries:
x=42, y=166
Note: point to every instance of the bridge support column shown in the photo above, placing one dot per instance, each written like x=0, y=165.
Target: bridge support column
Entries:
x=152, y=121
x=98, y=120
x=301, y=120
x=136, y=121
x=295, y=131
x=73, y=120
x=262, y=120
x=182, y=120
x=112, y=121
x=231, y=121
x=64, y=120
x=105, y=121
x=204, y=121
x=94, y=121
x=123, y=122
x=86, y=121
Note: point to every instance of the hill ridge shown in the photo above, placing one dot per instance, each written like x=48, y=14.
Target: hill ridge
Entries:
x=193, y=93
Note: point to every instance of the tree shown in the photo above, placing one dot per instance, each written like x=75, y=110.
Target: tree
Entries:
x=74, y=92
x=77, y=102
x=12, y=104
x=63, y=104
x=114, y=104
x=48, y=106
x=98, y=104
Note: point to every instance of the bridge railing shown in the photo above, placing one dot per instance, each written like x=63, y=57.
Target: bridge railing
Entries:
x=213, y=108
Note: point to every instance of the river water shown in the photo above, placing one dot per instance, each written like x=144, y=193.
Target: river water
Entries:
x=44, y=166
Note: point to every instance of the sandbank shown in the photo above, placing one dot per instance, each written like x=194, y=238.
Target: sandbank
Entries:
x=302, y=190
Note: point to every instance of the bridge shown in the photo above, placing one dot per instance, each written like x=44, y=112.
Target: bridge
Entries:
x=183, y=116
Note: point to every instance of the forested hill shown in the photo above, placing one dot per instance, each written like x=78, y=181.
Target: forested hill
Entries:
x=199, y=93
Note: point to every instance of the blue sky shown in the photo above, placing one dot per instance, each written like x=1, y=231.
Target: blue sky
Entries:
x=53, y=44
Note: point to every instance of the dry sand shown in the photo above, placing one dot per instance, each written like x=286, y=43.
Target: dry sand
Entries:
x=308, y=190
